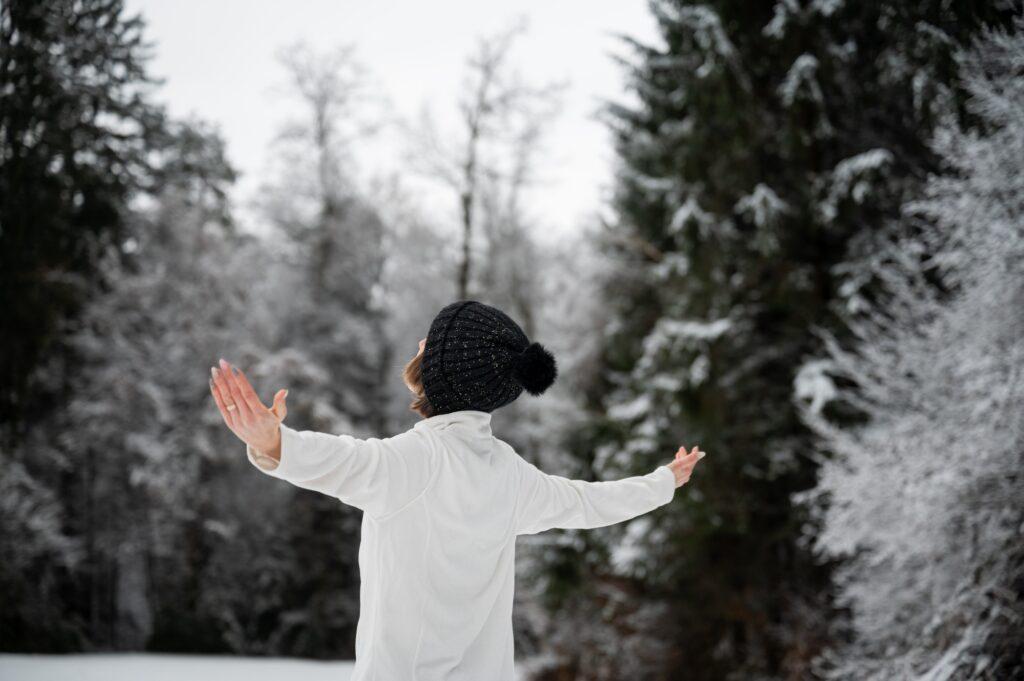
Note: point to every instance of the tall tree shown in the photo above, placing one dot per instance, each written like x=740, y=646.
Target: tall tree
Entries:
x=75, y=125
x=334, y=340
x=141, y=466
x=335, y=234
x=490, y=159
x=766, y=145
x=924, y=495
x=512, y=261
x=124, y=457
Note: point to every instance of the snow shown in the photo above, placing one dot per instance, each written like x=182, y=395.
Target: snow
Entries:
x=710, y=36
x=627, y=555
x=851, y=178
x=628, y=411
x=653, y=185
x=800, y=73
x=849, y=169
x=133, y=666
x=827, y=7
x=125, y=667
x=697, y=329
x=673, y=265
x=813, y=384
x=762, y=205
x=674, y=334
x=689, y=211
x=776, y=28
x=699, y=369
x=934, y=372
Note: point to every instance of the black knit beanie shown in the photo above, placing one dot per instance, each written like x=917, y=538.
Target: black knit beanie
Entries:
x=476, y=357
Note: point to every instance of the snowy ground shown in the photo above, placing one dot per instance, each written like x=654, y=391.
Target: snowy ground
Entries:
x=168, y=668
x=165, y=668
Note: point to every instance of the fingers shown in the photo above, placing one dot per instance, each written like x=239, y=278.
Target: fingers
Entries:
x=251, y=398
x=224, y=390
x=694, y=455
x=229, y=416
x=231, y=393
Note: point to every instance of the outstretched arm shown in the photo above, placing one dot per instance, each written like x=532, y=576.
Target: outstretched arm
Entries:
x=373, y=474
x=550, y=501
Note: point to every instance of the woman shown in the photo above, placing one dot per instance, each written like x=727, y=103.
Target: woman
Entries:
x=444, y=501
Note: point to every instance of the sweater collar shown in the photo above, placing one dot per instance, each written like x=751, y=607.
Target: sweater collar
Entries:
x=469, y=421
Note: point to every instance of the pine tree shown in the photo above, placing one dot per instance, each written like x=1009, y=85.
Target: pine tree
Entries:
x=127, y=460
x=138, y=464
x=923, y=496
x=766, y=146
x=76, y=122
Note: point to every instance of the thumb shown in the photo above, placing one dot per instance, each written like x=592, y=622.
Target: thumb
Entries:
x=280, y=409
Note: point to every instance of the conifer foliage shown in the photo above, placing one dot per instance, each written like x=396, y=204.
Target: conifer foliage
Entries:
x=76, y=122
x=924, y=496
x=766, y=150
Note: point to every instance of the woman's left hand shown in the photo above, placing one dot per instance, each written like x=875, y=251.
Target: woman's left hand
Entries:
x=683, y=464
x=247, y=417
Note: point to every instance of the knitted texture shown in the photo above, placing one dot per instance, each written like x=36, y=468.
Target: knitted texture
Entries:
x=477, y=357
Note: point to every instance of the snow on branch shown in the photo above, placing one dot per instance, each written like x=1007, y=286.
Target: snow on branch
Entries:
x=703, y=25
x=801, y=77
x=762, y=206
x=690, y=212
x=852, y=178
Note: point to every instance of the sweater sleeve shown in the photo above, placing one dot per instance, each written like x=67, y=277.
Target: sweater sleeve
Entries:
x=550, y=501
x=376, y=475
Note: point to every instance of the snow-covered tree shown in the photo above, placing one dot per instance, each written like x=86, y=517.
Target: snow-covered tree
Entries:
x=923, y=413
x=333, y=348
x=332, y=239
x=77, y=122
x=140, y=462
x=487, y=162
x=761, y=141
x=127, y=458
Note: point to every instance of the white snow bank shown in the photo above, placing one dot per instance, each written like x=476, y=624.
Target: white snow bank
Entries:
x=131, y=667
x=136, y=667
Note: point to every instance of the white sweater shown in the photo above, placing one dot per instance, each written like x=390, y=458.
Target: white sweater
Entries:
x=442, y=505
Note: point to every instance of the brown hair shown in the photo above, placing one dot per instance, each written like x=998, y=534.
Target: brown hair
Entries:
x=413, y=376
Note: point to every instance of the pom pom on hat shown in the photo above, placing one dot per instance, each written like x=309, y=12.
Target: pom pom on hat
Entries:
x=535, y=369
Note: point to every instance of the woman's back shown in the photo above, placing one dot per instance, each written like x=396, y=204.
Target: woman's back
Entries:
x=449, y=606
x=443, y=503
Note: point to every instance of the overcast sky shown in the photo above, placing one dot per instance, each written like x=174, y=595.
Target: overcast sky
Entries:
x=218, y=60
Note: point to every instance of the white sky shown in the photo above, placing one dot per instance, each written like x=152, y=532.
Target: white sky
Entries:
x=218, y=62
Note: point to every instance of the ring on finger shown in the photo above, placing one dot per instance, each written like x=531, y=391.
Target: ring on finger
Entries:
x=232, y=407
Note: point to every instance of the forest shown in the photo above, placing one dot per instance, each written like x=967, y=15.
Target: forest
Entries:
x=811, y=263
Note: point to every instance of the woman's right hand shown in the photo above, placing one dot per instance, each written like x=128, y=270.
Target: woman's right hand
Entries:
x=247, y=417
x=684, y=463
